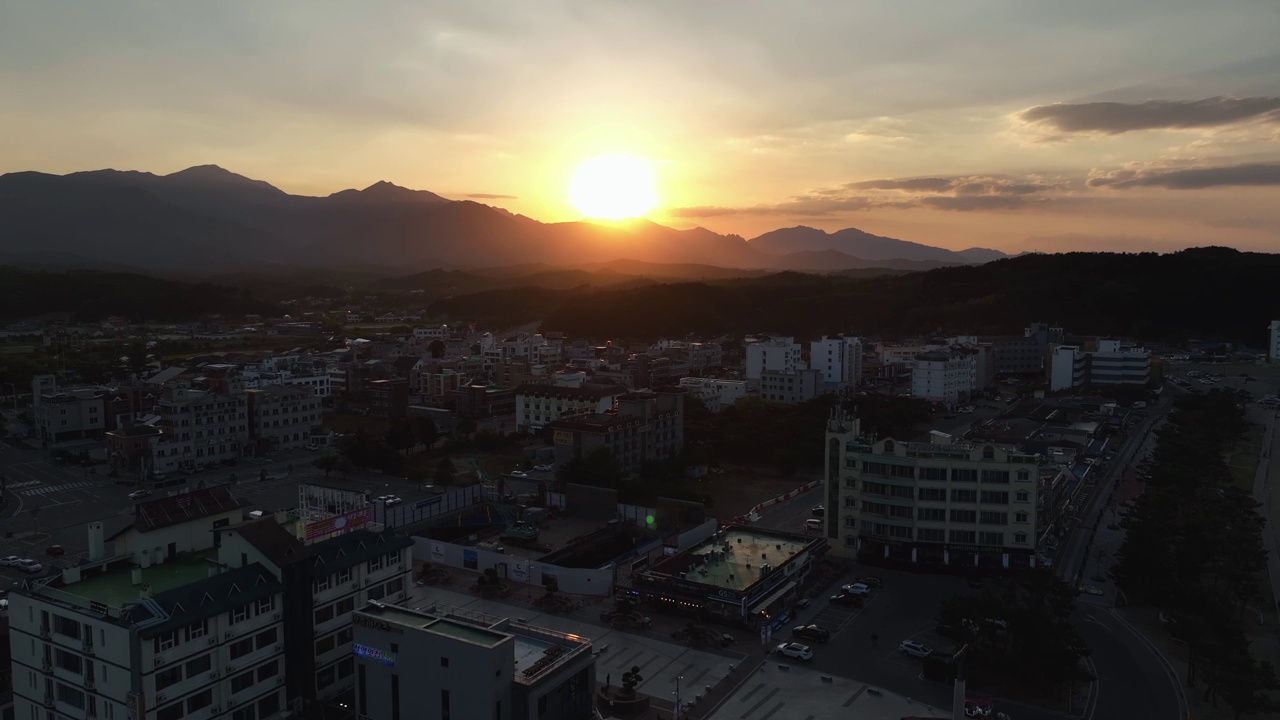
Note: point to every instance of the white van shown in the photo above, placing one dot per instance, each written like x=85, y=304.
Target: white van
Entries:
x=813, y=524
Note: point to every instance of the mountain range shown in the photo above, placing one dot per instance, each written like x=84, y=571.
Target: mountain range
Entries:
x=212, y=220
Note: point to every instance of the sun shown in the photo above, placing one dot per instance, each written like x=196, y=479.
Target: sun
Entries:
x=613, y=187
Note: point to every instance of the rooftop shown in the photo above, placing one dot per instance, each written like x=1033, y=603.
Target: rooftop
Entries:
x=433, y=623
x=201, y=503
x=115, y=586
x=732, y=558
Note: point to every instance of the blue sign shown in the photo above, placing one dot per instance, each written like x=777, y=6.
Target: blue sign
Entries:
x=382, y=656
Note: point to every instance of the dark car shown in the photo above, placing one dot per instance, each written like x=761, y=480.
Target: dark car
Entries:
x=812, y=632
x=872, y=581
x=819, y=510
x=847, y=599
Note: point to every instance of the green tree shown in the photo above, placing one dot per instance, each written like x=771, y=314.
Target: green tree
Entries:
x=426, y=431
x=327, y=463
x=401, y=436
x=446, y=472
x=436, y=348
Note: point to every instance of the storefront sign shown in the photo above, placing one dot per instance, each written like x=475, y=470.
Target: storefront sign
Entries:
x=374, y=623
x=380, y=656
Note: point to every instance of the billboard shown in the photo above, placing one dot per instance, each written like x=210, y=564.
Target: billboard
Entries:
x=563, y=437
x=339, y=524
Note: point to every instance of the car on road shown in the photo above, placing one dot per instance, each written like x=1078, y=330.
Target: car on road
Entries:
x=871, y=581
x=813, y=524
x=844, y=598
x=518, y=473
x=139, y=494
x=795, y=650
x=312, y=447
x=816, y=633
x=29, y=565
x=819, y=510
x=856, y=588
x=544, y=468
x=389, y=500
x=55, y=551
x=10, y=561
x=914, y=649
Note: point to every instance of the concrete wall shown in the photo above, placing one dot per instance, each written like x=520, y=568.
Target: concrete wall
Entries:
x=580, y=581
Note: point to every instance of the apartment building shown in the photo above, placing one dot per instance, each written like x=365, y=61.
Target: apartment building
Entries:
x=538, y=405
x=646, y=426
x=199, y=428
x=839, y=359
x=185, y=640
x=936, y=503
x=714, y=393
x=281, y=417
x=1114, y=362
x=945, y=376
x=435, y=382
x=790, y=387
x=781, y=354
x=449, y=663
x=1273, y=346
x=71, y=414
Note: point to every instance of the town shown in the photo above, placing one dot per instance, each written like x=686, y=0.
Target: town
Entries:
x=356, y=512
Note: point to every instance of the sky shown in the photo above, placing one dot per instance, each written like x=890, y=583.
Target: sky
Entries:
x=1012, y=124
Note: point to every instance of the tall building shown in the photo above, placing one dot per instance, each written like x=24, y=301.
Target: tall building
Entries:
x=71, y=414
x=839, y=359
x=716, y=394
x=790, y=387
x=646, y=426
x=199, y=428
x=1273, y=348
x=936, y=503
x=281, y=417
x=946, y=376
x=445, y=664
x=537, y=405
x=781, y=354
x=1114, y=362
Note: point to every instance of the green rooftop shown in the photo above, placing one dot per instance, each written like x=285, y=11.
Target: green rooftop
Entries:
x=115, y=587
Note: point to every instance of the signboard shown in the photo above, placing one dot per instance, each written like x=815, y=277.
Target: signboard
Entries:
x=437, y=552
x=374, y=623
x=563, y=437
x=374, y=654
x=339, y=524
x=520, y=571
x=429, y=502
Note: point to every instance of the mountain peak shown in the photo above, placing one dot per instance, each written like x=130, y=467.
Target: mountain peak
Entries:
x=211, y=175
x=388, y=192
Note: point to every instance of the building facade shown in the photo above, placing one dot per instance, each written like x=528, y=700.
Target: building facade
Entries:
x=839, y=359
x=538, y=405
x=645, y=427
x=716, y=394
x=1273, y=347
x=199, y=428
x=71, y=414
x=281, y=417
x=937, y=503
x=781, y=354
x=791, y=387
x=945, y=376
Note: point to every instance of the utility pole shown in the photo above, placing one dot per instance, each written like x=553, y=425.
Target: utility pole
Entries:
x=676, y=714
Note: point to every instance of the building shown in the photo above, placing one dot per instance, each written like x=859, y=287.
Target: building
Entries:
x=839, y=359
x=165, y=528
x=537, y=405
x=1273, y=347
x=190, y=639
x=714, y=393
x=945, y=376
x=129, y=447
x=436, y=382
x=791, y=387
x=645, y=427
x=740, y=575
x=388, y=398
x=71, y=414
x=1066, y=367
x=281, y=417
x=462, y=664
x=199, y=428
x=1114, y=362
x=936, y=503
x=477, y=401
x=781, y=354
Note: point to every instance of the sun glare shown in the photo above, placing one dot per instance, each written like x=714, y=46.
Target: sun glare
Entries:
x=613, y=187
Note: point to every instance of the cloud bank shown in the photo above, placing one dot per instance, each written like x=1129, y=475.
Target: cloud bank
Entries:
x=1114, y=118
x=1194, y=178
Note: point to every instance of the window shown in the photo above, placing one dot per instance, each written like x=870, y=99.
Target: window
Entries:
x=931, y=514
x=875, y=508
x=900, y=491
x=393, y=559
x=395, y=586
x=202, y=664
x=875, y=488
x=933, y=473
x=1022, y=496
x=875, y=468
x=239, y=614
x=70, y=696
x=345, y=606
x=269, y=670
x=166, y=641
x=171, y=712
x=66, y=626
x=1024, y=475
x=964, y=475
x=67, y=661
x=326, y=677
x=269, y=705
x=346, y=668
x=995, y=518
x=324, y=614
x=241, y=648
x=900, y=511
x=324, y=583
x=197, y=630
x=1020, y=516
x=245, y=713
x=266, y=604
x=963, y=516
x=242, y=681
x=265, y=638
x=344, y=576
x=988, y=452
x=851, y=502
x=444, y=701
x=375, y=564
x=966, y=496
x=965, y=537
x=344, y=635
x=995, y=497
x=324, y=644
x=200, y=700
x=1020, y=538
x=933, y=494
x=995, y=476
x=850, y=522
x=931, y=534
x=991, y=538
x=376, y=592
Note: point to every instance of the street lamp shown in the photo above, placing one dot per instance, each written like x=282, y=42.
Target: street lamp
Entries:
x=676, y=714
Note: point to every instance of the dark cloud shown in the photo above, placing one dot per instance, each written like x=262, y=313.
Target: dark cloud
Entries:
x=1113, y=118
x=491, y=196
x=811, y=206
x=924, y=184
x=970, y=203
x=1195, y=178
x=961, y=185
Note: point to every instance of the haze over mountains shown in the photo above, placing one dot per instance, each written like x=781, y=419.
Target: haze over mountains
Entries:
x=213, y=220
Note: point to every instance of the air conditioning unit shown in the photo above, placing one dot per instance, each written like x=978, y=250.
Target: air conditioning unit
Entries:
x=89, y=684
x=355, y=586
x=277, y=616
x=214, y=675
x=161, y=697
x=231, y=702
x=87, y=648
x=158, y=661
x=213, y=640
x=231, y=668
x=48, y=701
x=216, y=709
x=280, y=680
x=47, y=666
x=279, y=647
x=227, y=635
x=368, y=581
x=401, y=567
x=44, y=631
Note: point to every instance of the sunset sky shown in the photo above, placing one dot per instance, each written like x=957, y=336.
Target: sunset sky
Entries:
x=1013, y=124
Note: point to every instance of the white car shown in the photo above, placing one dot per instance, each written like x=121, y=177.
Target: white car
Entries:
x=914, y=649
x=312, y=447
x=29, y=565
x=858, y=589
x=544, y=468
x=518, y=473
x=796, y=650
x=10, y=561
x=389, y=500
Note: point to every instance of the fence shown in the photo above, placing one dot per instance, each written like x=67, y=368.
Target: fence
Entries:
x=424, y=510
x=774, y=501
x=581, y=581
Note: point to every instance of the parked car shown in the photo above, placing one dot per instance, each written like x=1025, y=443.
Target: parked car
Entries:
x=796, y=650
x=856, y=589
x=871, y=581
x=10, y=561
x=819, y=510
x=544, y=468
x=914, y=649
x=389, y=500
x=844, y=598
x=815, y=633
x=29, y=565
x=312, y=447
x=139, y=494
x=813, y=524
x=975, y=583
x=518, y=473
x=55, y=551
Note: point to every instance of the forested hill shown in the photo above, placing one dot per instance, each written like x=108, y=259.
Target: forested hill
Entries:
x=1198, y=293
x=93, y=295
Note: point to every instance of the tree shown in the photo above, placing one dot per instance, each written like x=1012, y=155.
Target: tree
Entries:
x=446, y=472
x=436, y=348
x=630, y=680
x=426, y=431
x=400, y=436
x=327, y=463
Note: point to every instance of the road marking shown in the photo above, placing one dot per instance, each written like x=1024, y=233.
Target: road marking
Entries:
x=56, y=488
x=28, y=483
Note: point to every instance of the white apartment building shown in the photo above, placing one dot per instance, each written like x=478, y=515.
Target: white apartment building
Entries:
x=281, y=417
x=538, y=405
x=935, y=503
x=198, y=428
x=70, y=414
x=1273, y=348
x=436, y=383
x=1115, y=362
x=1066, y=367
x=780, y=354
x=714, y=393
x=432, y=332
x=839, y=359
x=904, y=355
x=791, y=387
x=945, y=376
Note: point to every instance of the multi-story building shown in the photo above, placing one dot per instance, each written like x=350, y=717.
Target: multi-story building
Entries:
x=1273, y=347
x=646, y=426
x=189, y=639
x=463, y=664
x=945, y=376
x=714, y=393
x=388, y=398
x=281, y=417
x=790, y=387
x=1114, y=362
x=839, y=359
x=935, y=503
x=1066, y=367
x=538, y=405
x=199, y=428
x=71, y=414
x=435, y=382
x=781, y=354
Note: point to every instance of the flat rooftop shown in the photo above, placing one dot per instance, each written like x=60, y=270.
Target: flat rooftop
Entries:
x=115, y=587
x=732, y=558
x=438, y=625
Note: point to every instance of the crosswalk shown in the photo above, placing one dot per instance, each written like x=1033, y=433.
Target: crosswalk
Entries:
x=29, y=483
x=46, y=489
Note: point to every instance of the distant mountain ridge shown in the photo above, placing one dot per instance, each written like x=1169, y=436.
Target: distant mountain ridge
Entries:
x=210, y=219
